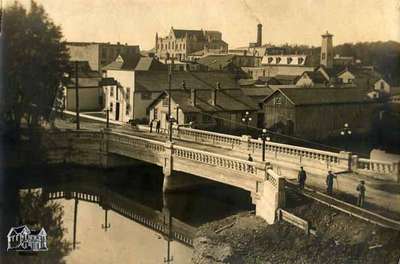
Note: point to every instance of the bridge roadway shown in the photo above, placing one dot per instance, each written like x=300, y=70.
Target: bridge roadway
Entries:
x=161, y=222
x=381, y=194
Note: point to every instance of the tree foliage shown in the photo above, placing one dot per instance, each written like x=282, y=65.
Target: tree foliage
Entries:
x=34, y=61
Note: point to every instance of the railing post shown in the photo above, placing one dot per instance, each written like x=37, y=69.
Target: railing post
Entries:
x=345, y=160
x=245, y=143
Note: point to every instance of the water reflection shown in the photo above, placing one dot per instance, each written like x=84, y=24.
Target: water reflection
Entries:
x=121, y=215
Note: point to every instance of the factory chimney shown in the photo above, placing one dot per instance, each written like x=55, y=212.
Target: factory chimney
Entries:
x=259, y=35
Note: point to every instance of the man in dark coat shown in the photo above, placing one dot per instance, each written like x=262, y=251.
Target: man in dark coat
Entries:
x=361, y=194
x=151, y=125
x=158, y=124
x=329, y=182
x=302, y=178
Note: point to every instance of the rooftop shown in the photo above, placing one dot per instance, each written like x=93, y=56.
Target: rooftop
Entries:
x=317, y=96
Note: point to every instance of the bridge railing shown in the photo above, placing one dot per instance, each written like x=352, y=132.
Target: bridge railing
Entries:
x=217, y=160
x=130, y=140
x=381, y=169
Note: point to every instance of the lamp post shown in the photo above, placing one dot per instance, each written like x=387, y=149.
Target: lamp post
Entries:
x=247, y=119
x=77, y=96
x=107, y=117
x=170, y=99
x=264, y=137
x=346, y=133
x=106, y=224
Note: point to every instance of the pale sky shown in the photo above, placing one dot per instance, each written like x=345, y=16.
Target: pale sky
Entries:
x=284, y=21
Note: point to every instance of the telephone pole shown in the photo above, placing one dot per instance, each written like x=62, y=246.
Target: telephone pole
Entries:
x=77, y=96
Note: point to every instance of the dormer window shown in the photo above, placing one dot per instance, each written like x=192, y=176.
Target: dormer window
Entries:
x=278, y=60
x=289, y=60
x=300, y=61
x=270, y=59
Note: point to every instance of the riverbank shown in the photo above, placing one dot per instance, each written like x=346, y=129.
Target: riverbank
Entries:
x=340, y=238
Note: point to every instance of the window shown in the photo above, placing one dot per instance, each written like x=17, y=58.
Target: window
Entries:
x=289, y=60
x=112, y=91
x=264, y=73
x=382, y=86
x=128, y=108
x=270, y=59
x=300, y=61
x=323, y=55
x=145, y=95
x=183, y=45
x=278, y=100
x=165, y=101
x=155, y=113
x=111, y=107
x=278, y=59
x=191, y=117
x=128, y=93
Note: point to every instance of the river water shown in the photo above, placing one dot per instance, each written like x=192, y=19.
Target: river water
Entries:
x=93, y=215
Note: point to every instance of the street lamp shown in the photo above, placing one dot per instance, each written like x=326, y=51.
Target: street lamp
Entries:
x=264, y=137
x=346, y=133
x=247, y=119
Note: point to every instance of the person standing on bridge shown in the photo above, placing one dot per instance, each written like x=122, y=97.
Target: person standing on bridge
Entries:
x=361, y=194
x=329, y=182
x=151, y=125
x=302, y=177
x=158, y=124
x=250, y=158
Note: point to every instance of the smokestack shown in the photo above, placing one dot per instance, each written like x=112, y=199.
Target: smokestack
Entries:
x=259, y=35
x=193, y=96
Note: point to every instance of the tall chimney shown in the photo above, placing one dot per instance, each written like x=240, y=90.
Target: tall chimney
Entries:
x=259, y=35
x=193, y=96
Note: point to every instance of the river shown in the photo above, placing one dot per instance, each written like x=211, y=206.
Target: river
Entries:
x=117, y=214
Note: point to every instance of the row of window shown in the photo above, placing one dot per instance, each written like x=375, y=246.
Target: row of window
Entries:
x=127, y=94
x=127, y=109
x=173, y=46
x=289, y=60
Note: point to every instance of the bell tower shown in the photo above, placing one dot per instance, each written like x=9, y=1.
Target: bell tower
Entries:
x=327, y=50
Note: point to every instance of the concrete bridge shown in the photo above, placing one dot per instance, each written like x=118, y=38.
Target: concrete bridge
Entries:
x=105, y=148
x=223, y=158
x=161, y=222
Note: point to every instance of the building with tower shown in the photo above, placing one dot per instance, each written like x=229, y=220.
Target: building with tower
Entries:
x=327, y=50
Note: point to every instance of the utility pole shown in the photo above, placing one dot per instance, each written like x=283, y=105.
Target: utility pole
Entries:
x=75, y=220
x=77, y=96
x=170, y=99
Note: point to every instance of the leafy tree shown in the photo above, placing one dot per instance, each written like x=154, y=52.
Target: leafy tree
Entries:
x=35, y=59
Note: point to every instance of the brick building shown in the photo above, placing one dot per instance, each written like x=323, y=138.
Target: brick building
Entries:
x=99, y=54
x=181, y=43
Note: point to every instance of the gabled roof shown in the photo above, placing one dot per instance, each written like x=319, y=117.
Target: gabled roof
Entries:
x=181, y=33
x=317, y=96
x=157, y=81
x=123, y=62
x=216, y=62
x=228, y=100
x=149, y=63
x=315, y=76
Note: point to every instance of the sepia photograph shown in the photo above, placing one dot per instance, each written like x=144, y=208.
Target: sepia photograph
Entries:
x=200, y=131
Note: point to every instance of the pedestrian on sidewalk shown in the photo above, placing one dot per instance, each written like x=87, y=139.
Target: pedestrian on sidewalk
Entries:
x=158, y=124
x=302, y=177
x=249, y=167
x=151, y=125
x=329, y=182
x=361, y=193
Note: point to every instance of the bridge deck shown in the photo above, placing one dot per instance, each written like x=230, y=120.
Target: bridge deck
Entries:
x=346, y=207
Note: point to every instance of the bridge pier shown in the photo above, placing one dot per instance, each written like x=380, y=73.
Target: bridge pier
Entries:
x=270, y=196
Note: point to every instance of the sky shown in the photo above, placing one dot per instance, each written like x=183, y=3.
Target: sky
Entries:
x=284, y=21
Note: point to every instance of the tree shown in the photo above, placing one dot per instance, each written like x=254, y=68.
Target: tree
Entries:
x=35, y=59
